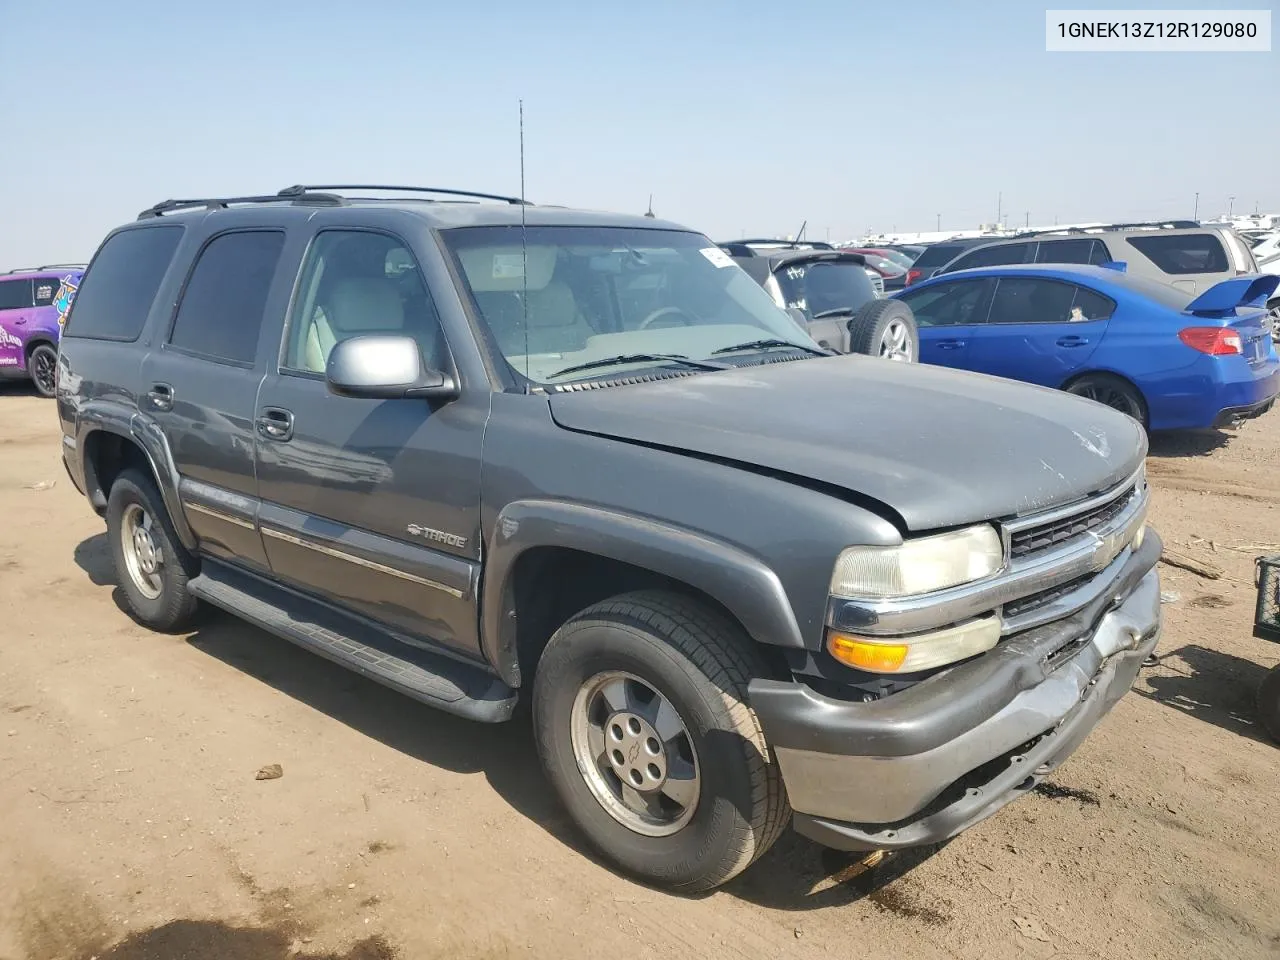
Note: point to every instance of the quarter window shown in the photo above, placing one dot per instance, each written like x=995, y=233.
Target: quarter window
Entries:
x=1065, y=251
x=357, y=283
x=225, y=300
x=1182, y=253
x=116, y=294
x=1090, y=305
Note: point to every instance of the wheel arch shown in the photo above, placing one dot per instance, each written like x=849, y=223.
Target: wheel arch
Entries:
x=1111, y=375
x=109, y=444
x=550, y=559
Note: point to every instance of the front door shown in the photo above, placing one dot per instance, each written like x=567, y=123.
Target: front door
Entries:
x=947, y=318
x=199, y=387
x=1039, y=331
x=371, y=504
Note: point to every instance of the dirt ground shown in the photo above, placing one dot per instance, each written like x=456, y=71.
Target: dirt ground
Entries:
x=132, y=826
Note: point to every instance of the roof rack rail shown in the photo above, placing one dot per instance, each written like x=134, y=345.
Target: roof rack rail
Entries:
x=44, y=266
x=221, y=203
x=302, y=190
x=1104, y=227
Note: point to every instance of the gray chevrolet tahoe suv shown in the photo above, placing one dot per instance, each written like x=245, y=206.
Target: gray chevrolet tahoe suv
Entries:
x=484, y=452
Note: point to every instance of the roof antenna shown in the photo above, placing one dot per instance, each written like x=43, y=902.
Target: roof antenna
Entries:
x=801, y=233
x=649, y=213
x=524, y=255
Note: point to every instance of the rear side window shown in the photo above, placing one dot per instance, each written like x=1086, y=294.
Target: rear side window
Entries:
x=994, y=256
x=1066, y=251
x=15, y=294
x=117, y=292
x=938, y=254
x=1031, y=300
x=225, y=300
x=1183, y=252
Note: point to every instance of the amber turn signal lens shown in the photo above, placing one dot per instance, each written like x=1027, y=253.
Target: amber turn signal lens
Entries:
x=866, y=655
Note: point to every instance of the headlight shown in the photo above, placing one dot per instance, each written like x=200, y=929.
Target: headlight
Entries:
x=918, y=566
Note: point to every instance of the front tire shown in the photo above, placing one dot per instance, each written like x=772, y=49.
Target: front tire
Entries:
x=151, y=565
x=641, y=718
x=42, y=365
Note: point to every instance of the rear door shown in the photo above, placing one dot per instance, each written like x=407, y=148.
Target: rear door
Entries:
x=948, y=315
x=1039, y=330
x=15, y=314
x=201, y=382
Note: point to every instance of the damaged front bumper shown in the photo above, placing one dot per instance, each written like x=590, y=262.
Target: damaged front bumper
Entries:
x=925, y=764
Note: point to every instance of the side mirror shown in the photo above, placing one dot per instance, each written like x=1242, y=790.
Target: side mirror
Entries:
x=385, y=368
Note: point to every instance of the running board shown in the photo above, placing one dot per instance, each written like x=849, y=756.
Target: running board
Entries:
x=434, y=679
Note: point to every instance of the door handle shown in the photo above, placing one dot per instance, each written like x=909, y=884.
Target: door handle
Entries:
x=276, y=423
x=1072, y=341
x=949, y=344
x=161, y=396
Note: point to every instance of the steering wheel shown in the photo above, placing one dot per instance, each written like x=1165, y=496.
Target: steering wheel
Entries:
x=686, y=318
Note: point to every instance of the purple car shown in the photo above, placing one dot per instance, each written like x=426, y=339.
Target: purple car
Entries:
x=33, y=308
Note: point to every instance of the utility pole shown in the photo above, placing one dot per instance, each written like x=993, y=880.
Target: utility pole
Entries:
x=828, y=234
x=1231, y=204
x=1196, y=214
x=1027, y=224
x=939, y=223
x=999, y=208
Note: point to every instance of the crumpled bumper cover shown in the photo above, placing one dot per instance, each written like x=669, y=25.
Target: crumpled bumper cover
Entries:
x=925, y=764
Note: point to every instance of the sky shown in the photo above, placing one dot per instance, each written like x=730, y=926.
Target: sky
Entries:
x=738, y=116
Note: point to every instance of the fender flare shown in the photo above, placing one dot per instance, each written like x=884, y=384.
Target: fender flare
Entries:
x=742, y=583
x=150, y=439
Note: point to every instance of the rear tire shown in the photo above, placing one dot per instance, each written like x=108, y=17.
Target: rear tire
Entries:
x=886, y=329
x=151, y=565
x=1111, y=392
x=664, y=678
x=42, y=366
x=1269, y=703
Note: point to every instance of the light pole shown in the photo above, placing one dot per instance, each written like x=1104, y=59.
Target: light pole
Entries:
x=939, y=228
x=1231, y=204
x=1196, y=214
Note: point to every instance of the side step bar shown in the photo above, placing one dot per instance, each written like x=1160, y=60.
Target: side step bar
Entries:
x=434, y=679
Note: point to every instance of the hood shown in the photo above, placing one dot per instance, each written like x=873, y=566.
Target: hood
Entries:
x=939, y=447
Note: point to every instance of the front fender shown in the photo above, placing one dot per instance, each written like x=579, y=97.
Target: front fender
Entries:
x=739, y=581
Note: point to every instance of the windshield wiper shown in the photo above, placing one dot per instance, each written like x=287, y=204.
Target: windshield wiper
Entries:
x=640, y=358
x=768, y=344
x=837, y=312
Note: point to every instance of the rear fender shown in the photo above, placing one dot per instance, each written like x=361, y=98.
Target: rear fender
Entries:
x=113, y=417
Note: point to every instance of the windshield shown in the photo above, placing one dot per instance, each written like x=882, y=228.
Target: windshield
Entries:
x=818, y=286
x=577, y=295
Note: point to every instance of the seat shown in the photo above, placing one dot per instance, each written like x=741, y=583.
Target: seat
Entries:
x=354, y=307
x=556, y=325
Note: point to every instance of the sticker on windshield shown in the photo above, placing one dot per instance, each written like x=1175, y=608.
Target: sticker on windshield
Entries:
x=508, y=266
x=717, y=256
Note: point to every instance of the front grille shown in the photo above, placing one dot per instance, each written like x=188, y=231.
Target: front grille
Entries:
x=1036, y=600
x=1035, y=539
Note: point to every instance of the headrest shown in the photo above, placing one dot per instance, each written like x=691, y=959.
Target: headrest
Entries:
x=552, y=306
x=490, y=269
x=366, y=305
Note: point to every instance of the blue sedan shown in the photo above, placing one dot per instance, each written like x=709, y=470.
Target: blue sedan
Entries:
x=1150, y=350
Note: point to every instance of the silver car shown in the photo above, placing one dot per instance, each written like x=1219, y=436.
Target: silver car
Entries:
x=1180, y=252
